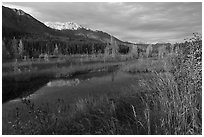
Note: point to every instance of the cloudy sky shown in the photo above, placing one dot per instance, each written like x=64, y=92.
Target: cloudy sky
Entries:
x=135, y=22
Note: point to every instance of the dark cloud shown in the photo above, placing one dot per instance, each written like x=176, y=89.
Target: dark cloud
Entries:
x=148, y=22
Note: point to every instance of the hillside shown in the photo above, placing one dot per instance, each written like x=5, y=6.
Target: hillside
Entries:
x=18, y=23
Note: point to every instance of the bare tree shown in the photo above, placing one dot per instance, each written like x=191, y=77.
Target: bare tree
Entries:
x=56, y=51
x=106, y=52
x=149, y=50
x=114, y=47
x=162, y=51
x=133, y=52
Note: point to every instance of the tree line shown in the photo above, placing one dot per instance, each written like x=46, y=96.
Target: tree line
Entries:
x=18, y=47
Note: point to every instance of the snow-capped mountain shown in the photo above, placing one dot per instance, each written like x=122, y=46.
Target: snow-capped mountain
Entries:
x=63, y=26
x=17, y=22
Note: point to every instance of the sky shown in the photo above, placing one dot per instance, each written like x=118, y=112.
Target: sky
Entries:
x=148, y=22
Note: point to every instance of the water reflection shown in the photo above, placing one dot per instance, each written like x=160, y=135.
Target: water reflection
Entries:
x=60, y=83
x=31, y=96
x=113, y=75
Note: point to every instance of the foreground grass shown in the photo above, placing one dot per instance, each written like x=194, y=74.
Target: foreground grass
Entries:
x=66, y=119
x=151, y=109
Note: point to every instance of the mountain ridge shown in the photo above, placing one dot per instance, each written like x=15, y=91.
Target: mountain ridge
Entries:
x=16, y=22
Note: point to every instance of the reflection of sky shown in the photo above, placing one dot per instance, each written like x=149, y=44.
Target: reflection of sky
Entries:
x=146, y=22
x=60, y=83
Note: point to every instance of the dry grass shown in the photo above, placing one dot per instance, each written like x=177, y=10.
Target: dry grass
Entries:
x=144, y=66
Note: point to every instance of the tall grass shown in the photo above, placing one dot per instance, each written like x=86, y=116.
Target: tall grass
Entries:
x=179, y=90
x=181, y=110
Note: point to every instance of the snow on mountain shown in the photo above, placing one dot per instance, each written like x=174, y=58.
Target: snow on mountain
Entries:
x=63, y=26
x=20, y=12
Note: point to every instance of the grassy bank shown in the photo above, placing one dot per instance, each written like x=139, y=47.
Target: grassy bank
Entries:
x=145, y=66
x=64, y=61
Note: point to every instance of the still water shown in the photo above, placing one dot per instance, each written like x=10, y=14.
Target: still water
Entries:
x=80, y=86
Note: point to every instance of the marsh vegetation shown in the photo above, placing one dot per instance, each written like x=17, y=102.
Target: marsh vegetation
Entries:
x=121, y=94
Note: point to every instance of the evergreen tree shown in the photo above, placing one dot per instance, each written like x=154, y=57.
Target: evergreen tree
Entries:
x=14, y=48
x=4, y=51
x=20, y=48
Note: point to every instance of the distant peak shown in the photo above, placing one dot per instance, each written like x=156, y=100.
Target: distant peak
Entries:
x=63, y=25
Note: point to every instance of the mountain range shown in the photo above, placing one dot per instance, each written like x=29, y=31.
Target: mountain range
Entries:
x=16, y=22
